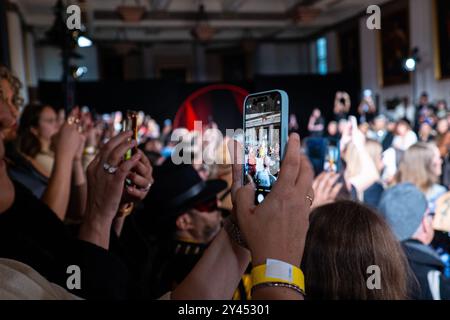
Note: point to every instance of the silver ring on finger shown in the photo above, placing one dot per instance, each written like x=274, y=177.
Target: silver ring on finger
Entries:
x=110, y=168
x=147, y=188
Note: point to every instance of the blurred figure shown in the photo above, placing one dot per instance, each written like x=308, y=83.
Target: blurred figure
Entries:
x=443, y=143
x=360, y=170
x=426, y=132
x=152, y=129
x=117, y=122
x=373, y=194
x=404, y=136
x=424, y=111
x=332, y=130
x=405, y=209
x=441, y=109
x=342, y=124
x=405, y=110
x=359, y=238
x=367, y=109
x=316, y=124
x=38, y=125
x=364, y=128
x=379, y=132
x=422, y=166
x=185, y=220
x=342, y=104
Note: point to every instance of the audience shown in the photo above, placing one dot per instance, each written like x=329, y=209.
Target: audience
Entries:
x=405, y=209
x=422, y=166
x=160, y=230
x=316, y=124
x=185, y=219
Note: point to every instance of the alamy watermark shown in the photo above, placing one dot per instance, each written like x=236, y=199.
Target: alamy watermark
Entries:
x=74, y=279
x=374, y=280
x=374, y=20
x=73, y=21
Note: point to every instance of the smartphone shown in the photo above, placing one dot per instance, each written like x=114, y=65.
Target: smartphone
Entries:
x=324, y=154
x=332, y=161
x=265, y=136
x=130, y=124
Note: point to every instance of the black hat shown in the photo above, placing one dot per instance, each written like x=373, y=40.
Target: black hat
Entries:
x=178, y=188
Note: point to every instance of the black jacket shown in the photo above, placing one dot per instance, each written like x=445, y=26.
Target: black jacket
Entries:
x=31, y=233
x=428, y=269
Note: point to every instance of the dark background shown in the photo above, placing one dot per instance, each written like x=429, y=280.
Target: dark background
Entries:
x=162, y=98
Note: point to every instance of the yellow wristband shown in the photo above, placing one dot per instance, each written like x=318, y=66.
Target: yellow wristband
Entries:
x=278, y=271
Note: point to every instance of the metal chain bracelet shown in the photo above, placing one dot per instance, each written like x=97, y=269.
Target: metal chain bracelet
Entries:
x=232, y=228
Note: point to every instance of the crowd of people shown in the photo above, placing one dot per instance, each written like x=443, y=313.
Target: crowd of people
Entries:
x=147, y=228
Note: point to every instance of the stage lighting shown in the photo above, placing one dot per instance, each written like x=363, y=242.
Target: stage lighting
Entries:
x=84, y=42
x=410, y=64
x=78, y=72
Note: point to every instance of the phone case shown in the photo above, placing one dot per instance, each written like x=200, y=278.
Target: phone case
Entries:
x=284, y=118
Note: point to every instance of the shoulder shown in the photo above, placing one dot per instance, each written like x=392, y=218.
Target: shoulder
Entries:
x=19, y=281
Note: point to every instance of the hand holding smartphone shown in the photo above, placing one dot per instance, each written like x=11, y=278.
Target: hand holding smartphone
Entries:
x=130, y=124
x=266, y=131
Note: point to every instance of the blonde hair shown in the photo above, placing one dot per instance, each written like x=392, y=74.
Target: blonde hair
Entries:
x=416, y=166
x=374, y=149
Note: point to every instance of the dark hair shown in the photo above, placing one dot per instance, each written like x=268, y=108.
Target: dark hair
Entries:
x=343, y=240
x=27, y=142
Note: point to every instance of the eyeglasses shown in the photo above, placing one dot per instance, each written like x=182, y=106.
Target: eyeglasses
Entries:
x=209, y=206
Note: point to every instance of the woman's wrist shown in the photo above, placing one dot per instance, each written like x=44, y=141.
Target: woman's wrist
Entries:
x=96, y=229
x=260, y=258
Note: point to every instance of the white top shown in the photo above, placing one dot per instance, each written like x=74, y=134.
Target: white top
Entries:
x=20, y=282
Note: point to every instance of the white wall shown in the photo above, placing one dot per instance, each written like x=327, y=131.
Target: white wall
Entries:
x=421, y=33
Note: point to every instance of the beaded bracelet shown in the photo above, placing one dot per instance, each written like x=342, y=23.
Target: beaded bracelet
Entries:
x=231, y=227
x=279, y=285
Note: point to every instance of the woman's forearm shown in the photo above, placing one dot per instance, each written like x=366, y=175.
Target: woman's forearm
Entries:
x=96, y=230
x=79, y=190
x=368, y=173
x=216, y=276
x=57, y=194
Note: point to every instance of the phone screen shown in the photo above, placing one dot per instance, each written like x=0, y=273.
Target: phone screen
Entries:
x=332, y=156
x=262, y=141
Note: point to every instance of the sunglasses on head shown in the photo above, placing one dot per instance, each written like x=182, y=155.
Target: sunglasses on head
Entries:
x=208, y=206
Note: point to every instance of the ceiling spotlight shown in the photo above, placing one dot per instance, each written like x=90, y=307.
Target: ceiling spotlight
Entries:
x=410, y=64
x=84, y=42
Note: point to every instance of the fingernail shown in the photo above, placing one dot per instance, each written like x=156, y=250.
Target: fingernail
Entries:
x=295, y=136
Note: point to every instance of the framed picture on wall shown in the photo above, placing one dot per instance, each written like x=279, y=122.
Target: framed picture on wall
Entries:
x=394, y=45
x=442, y=38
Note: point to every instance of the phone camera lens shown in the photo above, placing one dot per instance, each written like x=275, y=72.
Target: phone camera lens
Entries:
x=260, y=198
